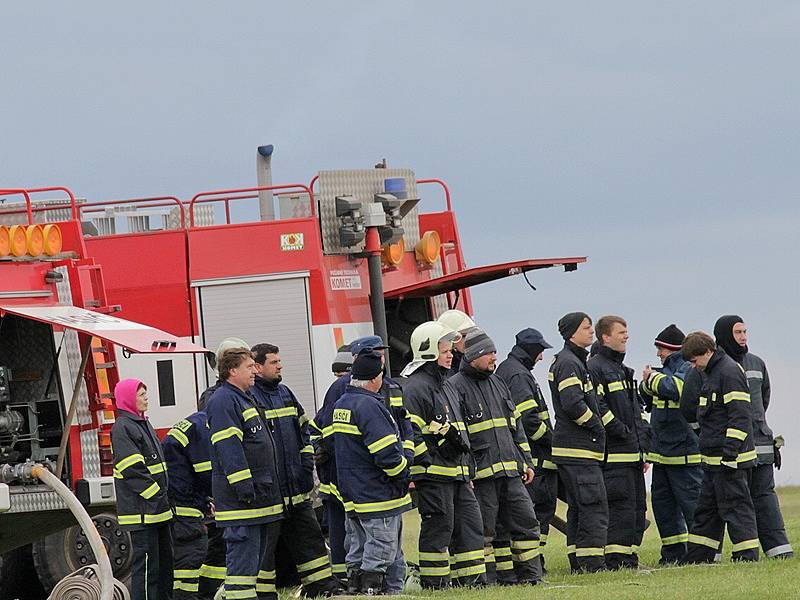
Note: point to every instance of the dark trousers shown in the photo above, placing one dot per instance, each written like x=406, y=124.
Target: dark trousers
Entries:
x=304, y=542
x=451, y=534
x=587, y=515
x=335, y=517
x=212, y=571
x=771, y=530
x=504, y=501
x=674, y=492
x=627, y=506
x=246, y=545
x=544, y=494
x=151, y=572
x=724, y=500
x=190, y=542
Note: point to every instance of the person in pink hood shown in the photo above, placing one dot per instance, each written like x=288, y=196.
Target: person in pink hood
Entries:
x=140, y=482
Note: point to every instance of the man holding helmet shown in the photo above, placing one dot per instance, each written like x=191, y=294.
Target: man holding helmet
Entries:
x=443, y=467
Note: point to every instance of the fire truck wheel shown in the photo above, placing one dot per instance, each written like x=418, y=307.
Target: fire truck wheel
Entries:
x=61, y=553
x=18, y=579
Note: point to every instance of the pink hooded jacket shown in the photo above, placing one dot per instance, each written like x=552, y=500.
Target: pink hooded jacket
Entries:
x=125, y=395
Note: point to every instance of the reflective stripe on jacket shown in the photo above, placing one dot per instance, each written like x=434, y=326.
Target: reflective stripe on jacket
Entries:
x=187, y=452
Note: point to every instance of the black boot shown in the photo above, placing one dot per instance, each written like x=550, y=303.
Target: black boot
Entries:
x=354, y=581
x=372, y=583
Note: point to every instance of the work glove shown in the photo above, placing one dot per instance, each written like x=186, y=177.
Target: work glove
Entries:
x=777, y=444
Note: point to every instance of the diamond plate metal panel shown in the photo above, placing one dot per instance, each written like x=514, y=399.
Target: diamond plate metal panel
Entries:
x=29, y=499
x=363, y=184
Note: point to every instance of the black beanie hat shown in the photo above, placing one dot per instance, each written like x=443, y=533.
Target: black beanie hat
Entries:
x=367, y=366
x=670, y=338
x=569, y=323
x=476, y=344
x=723, y=331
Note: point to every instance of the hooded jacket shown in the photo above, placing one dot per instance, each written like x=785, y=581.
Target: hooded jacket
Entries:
x=496, y=435
x=674, y=441
x=294, y=455
x=579, y=436
x=515, y=371
x=187, y=451
x=244, y=478
x=427, y=400
x=725, y=417
x=627, y=432
x=140, y=474
x=372, y=469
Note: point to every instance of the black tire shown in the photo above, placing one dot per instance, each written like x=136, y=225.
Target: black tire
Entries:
x=18, y=578
x=56, y=556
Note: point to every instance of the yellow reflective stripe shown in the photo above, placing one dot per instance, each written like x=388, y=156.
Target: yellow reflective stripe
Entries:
x=129, y=519
x=473, y=555
x=248, y=513
x=158, y=518
x=128, y=461
x=395, y=401
x=584, y=417
x=303, y=419
x=434, y=571
x=366, y=507
x=589, y=551
x=240, y=594
x=623, y=457
x=339, y=569
x=398, y=469
x=736, y=433
x=180, y=436
x=731, y=396
x=577, y=453
x=346, y=428
x=150, y=491
x=616, y=386
x=277, y=413
x=417, y=420
x=702, y=540
x=544, y=415
x=382, y=443
x=437, y=556
x=740, y=458
x=745, y=545
x=498, y=467
x=187, y=511
x=157, y=468
x=608, y=417
x=239, y=476
x=240, y=580
x=568, y=382
x=185, y=586
x=487, y=424
x=588, y=386
x=551, y=376
x=524, y=544
x=313, y=564
x=527, y=555
x=548, y=464
x=249, y=413
x=202, y=467
x=571, y=549
x=321, y=574
x=600, y=390
x=266, y=574
x=265, y=588
x=212, y=572
x=681, y=538
x=539, y=432
x=678, y=384
x=296, y=499
x=467, y=571
x=440, y=470
x=420, y=448
x=307, y=449
x=526, y=405
x=226, y=433
x=618, y=549
x=327, y=431
x=691, y=459
x=186, y=573
x=502, y=551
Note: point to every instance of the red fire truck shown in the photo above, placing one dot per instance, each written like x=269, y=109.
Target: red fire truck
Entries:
x=298, y=274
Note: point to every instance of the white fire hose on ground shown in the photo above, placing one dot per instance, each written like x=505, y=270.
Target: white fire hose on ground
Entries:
x=93, y=582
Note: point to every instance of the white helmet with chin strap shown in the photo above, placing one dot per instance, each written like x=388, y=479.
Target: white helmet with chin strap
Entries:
x=425, y=343
x=456, y=320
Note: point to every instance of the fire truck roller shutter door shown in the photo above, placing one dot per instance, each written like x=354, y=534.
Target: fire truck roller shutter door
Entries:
x=272, y=310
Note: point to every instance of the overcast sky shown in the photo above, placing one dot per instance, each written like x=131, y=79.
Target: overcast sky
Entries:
x=659, y=139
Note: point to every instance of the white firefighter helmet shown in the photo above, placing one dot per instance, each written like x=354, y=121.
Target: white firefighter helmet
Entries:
x=425, y=343
x=227, y=344
x=456, y=320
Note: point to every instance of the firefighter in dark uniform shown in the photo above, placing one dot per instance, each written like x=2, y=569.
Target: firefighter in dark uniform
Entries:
x=321, y=429
x=451, y=536
x=373, y=474
x=187, y=452
x=299, y=529
x=141, y=483
x=247, y=495
x=516, y=372
x=728, y=454
x=731, y=335
x=579, y=445
x=675, y=455
x=503, y=465
x=627, y=443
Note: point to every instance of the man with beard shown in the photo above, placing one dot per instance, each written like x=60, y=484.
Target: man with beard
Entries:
x=627, y=442
x=451, y=537
x=730, y=332
x=579, y=445
x=503, y=463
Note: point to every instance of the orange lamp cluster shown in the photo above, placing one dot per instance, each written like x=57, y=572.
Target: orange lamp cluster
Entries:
x=30, y=240
x=426, y=250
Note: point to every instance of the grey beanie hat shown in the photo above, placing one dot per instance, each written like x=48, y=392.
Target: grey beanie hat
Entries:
x=476, y=344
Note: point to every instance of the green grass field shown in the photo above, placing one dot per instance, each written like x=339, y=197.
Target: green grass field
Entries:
x=765, y=579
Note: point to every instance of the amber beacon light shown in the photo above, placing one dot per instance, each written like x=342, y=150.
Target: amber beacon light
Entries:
x=427, y=249
x=393, y=254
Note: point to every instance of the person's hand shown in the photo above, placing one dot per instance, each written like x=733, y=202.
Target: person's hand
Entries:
x=646, y=372
x=212, y=510
x=645, y=467
x=411, y=486
x=527, y=478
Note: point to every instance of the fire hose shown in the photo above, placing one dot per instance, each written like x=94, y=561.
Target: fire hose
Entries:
x=94, y=582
